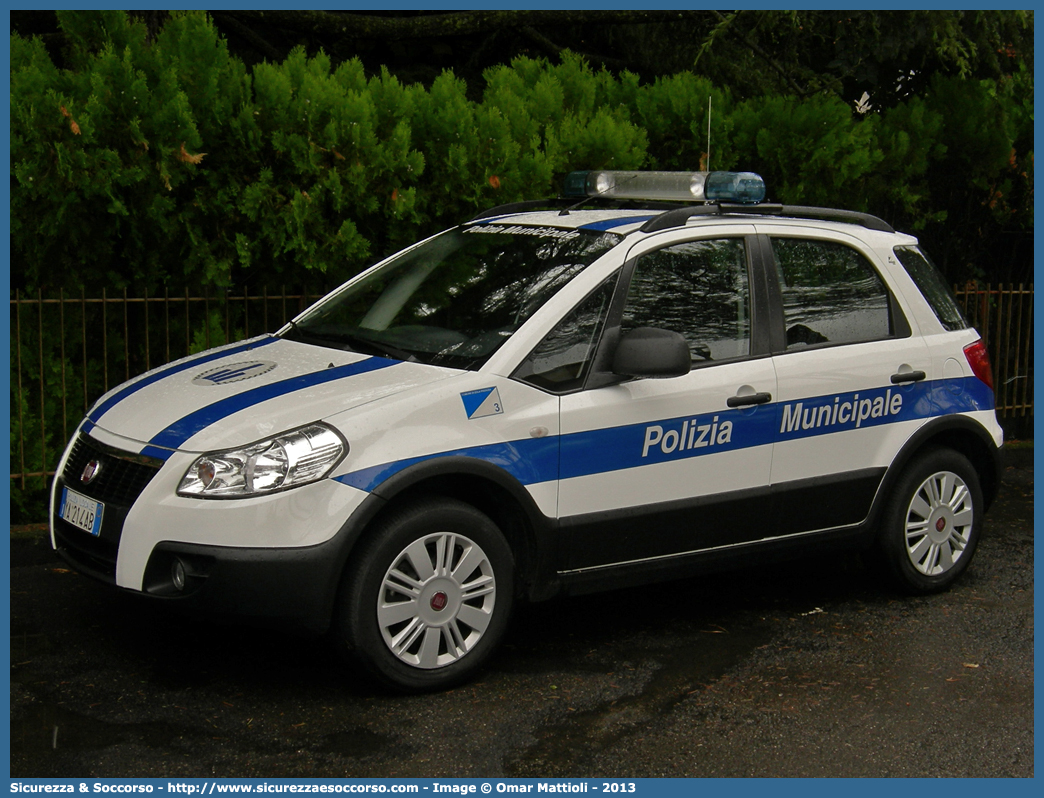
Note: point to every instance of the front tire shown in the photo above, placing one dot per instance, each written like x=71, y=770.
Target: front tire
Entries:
x=933, y=522
x=427, y=598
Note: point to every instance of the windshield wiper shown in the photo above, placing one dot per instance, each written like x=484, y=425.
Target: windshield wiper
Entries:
x=378, y=348
x=354, y=343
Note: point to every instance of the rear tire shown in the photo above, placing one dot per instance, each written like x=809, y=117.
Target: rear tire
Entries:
x=427, y=598
x=932, y=522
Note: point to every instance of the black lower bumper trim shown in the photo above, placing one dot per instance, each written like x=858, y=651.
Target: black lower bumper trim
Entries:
x=287, y=586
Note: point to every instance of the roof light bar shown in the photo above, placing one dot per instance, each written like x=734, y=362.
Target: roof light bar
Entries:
x=743, y=187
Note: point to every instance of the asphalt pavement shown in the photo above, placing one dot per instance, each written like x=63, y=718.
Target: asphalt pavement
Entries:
x=807, y=669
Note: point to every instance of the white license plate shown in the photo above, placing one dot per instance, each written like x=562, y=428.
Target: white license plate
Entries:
x=81, y=512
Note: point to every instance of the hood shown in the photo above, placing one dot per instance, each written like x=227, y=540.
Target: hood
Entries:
x=245, y=392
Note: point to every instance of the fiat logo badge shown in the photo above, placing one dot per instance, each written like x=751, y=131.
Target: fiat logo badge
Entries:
x=90, y=471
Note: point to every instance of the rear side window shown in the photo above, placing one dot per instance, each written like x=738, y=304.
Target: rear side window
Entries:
x=933, y=287
x=831, y=294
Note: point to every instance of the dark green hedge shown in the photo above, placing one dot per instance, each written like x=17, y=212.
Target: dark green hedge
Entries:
x=170, y=163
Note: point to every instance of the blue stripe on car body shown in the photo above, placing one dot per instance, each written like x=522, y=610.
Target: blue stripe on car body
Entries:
x=610, y=224
x=602, y=226
x=181, y=430
x=610, y=449
x=529, y=461
x=94, y=416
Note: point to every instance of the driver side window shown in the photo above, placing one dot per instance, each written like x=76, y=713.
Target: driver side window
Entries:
x=699, y=289
x=560, y=362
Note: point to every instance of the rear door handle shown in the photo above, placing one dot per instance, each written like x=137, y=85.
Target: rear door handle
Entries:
x=749, y=399
x=908, y=376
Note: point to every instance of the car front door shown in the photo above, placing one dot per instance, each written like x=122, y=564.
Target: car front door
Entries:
x=651, y=469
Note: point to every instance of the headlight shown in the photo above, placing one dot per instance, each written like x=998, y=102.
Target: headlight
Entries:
x=294, y=458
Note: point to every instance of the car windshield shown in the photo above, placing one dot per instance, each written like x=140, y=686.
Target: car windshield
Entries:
x=456, y=298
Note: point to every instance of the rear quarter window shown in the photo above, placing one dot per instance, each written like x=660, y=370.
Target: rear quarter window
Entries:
x=933, y=287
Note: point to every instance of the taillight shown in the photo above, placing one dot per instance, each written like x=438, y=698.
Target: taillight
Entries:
x=979, y=360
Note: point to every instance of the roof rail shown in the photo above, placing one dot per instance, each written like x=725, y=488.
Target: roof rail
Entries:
x=679, y=216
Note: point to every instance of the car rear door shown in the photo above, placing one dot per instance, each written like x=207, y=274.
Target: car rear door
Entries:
x=851, y=376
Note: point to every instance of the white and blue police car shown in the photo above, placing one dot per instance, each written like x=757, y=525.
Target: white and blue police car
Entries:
x=657, y=373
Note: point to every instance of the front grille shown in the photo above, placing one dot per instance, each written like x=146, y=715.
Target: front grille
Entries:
x=120, y=479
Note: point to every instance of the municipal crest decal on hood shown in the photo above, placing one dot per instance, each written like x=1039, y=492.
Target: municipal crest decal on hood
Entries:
x=233, y=372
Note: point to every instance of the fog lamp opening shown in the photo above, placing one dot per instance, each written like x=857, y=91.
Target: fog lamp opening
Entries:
x=177, y=574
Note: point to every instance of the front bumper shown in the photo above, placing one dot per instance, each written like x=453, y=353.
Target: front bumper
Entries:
x=294, y=587
x=278, y=557
x=287, y=587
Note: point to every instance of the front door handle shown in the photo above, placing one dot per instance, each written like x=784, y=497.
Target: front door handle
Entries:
x=908, y=376
x=749, y=399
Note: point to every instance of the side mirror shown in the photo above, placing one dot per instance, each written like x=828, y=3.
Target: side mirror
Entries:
x=652, y=352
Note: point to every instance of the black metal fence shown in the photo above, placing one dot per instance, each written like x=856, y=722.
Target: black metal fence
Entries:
x=1003, y=315
x=68, y=350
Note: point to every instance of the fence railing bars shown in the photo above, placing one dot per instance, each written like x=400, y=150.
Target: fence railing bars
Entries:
x=1004, y=318
x=85, y=345
x=74, y=360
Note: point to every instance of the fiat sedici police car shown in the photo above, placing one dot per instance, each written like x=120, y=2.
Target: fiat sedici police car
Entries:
x=656, y=374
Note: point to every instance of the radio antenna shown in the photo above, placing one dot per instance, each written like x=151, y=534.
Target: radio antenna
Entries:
x=708, y=130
